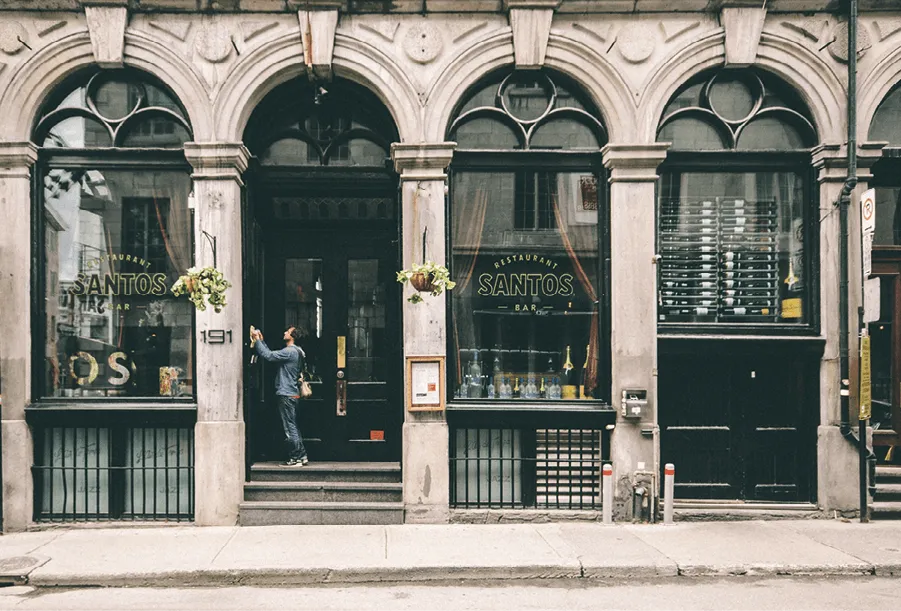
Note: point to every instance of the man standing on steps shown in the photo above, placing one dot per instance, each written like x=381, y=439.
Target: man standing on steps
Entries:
x=290, y=363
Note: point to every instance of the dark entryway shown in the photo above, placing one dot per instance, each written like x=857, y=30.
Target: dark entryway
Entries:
x=321, y=253
x=739, y=422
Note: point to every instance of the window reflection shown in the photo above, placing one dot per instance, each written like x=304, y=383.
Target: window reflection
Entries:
x=525, y=308
x=114, y=244
x=732, y=247
x=365, y=321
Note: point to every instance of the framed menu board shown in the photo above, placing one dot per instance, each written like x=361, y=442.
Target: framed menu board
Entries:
x=425, y=383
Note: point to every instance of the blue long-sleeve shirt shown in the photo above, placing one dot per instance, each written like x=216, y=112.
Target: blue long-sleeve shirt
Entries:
x=290, y=362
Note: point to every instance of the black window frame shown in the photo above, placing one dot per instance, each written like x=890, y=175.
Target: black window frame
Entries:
x=731, y=159
x=742, y=162
x=109, y=159
x=546, y=160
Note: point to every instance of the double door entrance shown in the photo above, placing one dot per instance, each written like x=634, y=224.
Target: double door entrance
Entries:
x=740, y=426
x=338, y=287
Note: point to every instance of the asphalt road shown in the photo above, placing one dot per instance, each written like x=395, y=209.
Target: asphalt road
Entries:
x=855, y=593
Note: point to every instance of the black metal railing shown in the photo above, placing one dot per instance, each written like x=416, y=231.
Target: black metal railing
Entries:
x=113, y=473
x=519, y=468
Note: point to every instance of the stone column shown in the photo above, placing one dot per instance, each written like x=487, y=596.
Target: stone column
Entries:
x=16, y=160
x=837, y=457
x=219, y=432
x=426, y=472
x=633, y=285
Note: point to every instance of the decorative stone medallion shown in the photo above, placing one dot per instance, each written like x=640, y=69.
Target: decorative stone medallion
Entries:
x=839, y=47
x=213, y=43
x=12, y=37
x=636, y=42
x=423, y=43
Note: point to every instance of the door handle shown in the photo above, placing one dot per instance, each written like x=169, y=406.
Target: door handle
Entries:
x=341, y=395
x=340, y=382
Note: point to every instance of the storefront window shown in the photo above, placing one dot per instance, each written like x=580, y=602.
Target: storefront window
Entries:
x=114, y=240
x=734, y=227
x=528, y=244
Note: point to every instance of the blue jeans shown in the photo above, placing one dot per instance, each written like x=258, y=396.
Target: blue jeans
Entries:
x=286, y=409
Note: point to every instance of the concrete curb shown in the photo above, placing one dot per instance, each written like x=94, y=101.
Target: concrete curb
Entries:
x=324, y=576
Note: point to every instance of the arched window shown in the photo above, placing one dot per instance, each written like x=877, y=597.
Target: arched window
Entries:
x=886, y=127
x=528, y=229
x=736, y=227
x=340, y=134
x=116, y=233
x=333, y=124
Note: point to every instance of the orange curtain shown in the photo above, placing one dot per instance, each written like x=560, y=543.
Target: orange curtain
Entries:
x=591, y=372
x=469, y=223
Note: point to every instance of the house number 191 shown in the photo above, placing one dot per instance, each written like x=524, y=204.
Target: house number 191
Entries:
x=216, y=336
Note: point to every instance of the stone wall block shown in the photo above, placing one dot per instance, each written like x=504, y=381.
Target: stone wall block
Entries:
x=743, y=26
x=106, y=25
x=531, y=29
x=317, y=32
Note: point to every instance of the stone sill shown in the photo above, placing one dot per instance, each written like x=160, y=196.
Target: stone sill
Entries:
x=523, y=516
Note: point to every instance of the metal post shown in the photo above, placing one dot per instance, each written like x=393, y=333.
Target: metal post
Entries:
x=669, y=480
x=607, y=502
x=852, y=173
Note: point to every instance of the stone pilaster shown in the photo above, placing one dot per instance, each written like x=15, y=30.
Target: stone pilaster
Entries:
x=16, y=161
x=837, y=458
x=219, y=433
x=426, y=471
x=633, y=289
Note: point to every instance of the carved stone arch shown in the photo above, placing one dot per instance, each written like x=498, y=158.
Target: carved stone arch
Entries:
x=600, y=81
x=35, y=79
x=597, y=78
x=816, y=84
x=280, y=60
x=874, y=87
x=476, y=62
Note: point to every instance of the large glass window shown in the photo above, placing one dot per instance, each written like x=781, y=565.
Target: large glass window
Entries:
x=734, y=227
x=528, y=229
x=116, y=235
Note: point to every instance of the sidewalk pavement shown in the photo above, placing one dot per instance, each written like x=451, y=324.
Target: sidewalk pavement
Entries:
x=177, y=556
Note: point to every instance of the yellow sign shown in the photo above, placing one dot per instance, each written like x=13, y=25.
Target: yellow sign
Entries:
x=866, y=403
x=791, y=308
x=342, y=343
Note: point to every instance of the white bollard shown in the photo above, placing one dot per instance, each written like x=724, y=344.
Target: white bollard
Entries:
x=669, y=474
x=607, y=501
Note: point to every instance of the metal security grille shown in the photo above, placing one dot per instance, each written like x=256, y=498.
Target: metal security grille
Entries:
x=526, y=468
x=123, y=473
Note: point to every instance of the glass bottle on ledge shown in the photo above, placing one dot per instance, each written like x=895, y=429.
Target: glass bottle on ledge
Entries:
x=569, y=388
x=554, y=390
x=542, y=390
x=516, y=389
x=506, y=391
x=583, y=374
x=491, y=394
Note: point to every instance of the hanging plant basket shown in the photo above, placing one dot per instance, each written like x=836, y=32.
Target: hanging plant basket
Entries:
x=422, y=282
x=426, y=278
x=202, y=286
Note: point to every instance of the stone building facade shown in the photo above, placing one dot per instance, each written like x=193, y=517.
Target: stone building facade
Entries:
x=687, y=361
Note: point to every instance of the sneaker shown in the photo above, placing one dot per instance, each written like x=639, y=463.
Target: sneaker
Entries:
x=304, y=461
x=290, y=463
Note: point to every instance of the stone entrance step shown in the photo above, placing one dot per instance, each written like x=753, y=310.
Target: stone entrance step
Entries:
x=323, y=493
x=270, y=513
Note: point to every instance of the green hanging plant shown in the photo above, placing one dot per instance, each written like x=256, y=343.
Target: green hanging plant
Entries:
x=426, y=277
x=203, y=285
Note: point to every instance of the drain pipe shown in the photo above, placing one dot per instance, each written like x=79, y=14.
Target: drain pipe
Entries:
x=844, y=202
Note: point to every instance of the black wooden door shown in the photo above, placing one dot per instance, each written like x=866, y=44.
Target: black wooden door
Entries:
x=340, y=289
x=739, y=425
x=885, y=357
